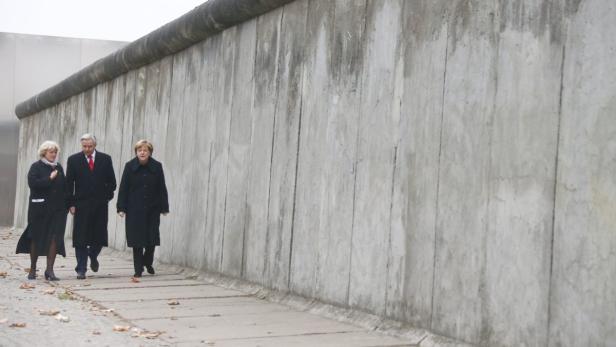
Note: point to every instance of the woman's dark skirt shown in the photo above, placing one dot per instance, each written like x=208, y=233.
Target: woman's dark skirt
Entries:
x=43, y=231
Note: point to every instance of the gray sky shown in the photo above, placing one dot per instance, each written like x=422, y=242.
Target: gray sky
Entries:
x=121, y=20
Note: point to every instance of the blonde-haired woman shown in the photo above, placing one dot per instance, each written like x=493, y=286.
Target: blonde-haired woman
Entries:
x=47, y=211
x=142, y=199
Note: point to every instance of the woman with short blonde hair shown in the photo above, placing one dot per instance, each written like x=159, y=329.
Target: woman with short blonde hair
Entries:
x=142, y=198
x=47, y=211
x=47, y=146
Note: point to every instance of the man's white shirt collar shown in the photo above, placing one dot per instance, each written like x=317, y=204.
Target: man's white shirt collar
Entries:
x=93, y=156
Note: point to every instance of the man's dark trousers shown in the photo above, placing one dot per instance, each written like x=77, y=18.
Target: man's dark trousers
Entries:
x=83, y=253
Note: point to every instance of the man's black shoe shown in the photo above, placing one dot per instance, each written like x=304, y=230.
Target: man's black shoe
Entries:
x=81, y=276
x=94, y=265
x=150, y=269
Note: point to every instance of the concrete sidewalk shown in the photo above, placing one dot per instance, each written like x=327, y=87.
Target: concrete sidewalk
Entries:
x=184, y=310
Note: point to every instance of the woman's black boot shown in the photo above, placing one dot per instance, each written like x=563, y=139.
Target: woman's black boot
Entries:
x=50, y=276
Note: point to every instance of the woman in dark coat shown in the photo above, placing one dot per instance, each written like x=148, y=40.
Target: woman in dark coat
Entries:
x=142, y=198
x=47, y=211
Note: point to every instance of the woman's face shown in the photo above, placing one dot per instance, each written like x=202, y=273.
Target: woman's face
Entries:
x=51, y=155
x=143, y=153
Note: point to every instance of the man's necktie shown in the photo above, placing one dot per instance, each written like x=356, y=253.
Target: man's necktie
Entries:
x=91, y=162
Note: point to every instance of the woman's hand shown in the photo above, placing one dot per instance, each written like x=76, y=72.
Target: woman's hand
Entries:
x=121, y=214
x=54, y=174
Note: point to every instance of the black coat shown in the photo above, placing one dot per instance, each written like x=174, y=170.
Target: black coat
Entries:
x=143, y=197
x=46, y=210
x=89, y=192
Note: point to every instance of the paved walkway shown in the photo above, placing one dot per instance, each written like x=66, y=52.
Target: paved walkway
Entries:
x=168, y=309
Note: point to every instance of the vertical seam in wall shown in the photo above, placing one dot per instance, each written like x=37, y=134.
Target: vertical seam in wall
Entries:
x=254, y=70
x=316, y=269
x=231, y=103
x=145, y=99
x=224, y=215
x=391, y=207
x=438, y=173
x=172, y=62
x=204, y=87
x=355, y=164
x=269, y=188
x=121, y=104
x=179, y=126
x=555, y=192
x=483, y=290
x=399, y=56
x=299, y=131
x=207, y=202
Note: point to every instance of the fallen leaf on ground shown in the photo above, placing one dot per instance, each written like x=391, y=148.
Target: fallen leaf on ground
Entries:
x=27, y=269
x=173, y=302
x=109, y=310
x=62, y=318
x=96, y=332
x=3, y=274
x=147, y=334
x=17, y=325
x=27, y=286
x=66, y=296
x=48, y=312
x=134, y=280
x=49, y=291
x=121, y=328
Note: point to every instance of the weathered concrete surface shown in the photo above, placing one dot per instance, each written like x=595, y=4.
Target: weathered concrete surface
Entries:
x=206, y=313
x=447, y=164
x=583, y=287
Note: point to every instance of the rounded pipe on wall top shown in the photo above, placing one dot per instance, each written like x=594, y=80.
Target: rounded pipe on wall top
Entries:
x=197, y=25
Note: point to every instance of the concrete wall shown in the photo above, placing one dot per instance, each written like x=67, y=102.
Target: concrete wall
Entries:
x=445, y=163
x=28, y=65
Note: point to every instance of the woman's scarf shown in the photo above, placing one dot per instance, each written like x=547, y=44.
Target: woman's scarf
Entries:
x=53, y=165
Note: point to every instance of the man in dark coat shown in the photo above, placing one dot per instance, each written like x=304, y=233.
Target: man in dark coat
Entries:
x=90, y=183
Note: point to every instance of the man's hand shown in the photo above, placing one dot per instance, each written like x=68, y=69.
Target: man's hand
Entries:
x=121, y=214
x=72, y=209
x=165, y=213
x=54, y=174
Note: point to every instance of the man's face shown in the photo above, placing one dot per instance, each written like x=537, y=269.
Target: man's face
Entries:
x=87, y=146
